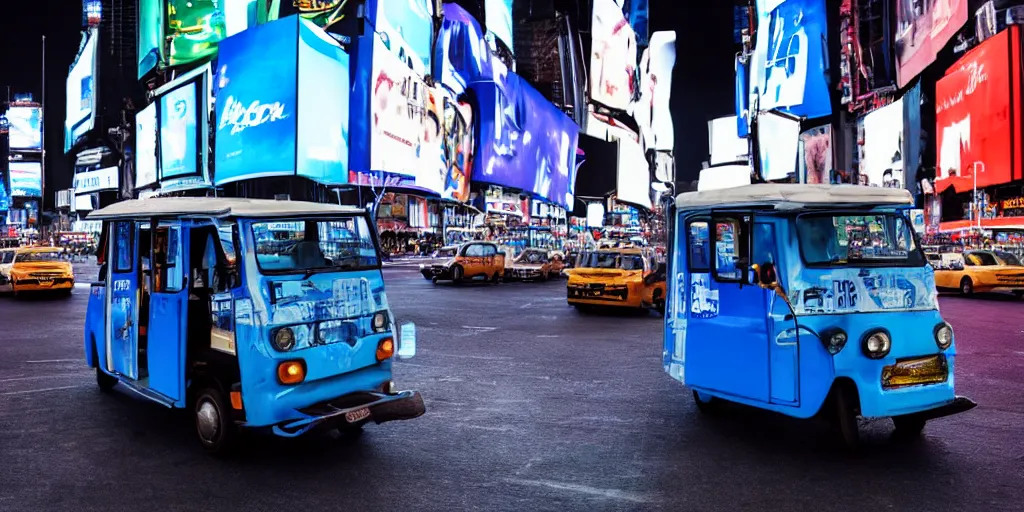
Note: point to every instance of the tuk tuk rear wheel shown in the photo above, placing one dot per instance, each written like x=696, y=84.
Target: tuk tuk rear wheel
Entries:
x=213, y=424
x=707, y=405
x=105, y=382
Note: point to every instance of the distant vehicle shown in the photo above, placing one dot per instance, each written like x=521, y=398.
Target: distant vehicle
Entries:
x=981, y=271
x=35, y=269
x=472, y=260
x=532, y=265
x=284, y=329
x=611, y=277
x=802, y=315
x=438, y=257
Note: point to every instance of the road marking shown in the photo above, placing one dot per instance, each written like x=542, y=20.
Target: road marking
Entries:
x=486, y=358
x=585, y=489
x=54, y=361
x=524, y=306
x=83, y=286
x=547, y=335
x=479, y=328
x=37, y=377
x=29, y=391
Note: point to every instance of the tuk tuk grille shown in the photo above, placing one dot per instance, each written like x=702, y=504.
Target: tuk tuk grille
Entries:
x=916, y=371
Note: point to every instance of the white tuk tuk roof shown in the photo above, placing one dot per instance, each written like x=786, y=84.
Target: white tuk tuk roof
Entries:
x=793, y=196
x=216, y=207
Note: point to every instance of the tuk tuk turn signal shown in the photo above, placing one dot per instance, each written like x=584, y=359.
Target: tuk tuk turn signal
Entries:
x=291, y=372
x=385, y=349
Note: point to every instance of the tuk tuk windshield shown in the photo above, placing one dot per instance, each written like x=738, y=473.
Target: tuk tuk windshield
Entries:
x=883, y=239
x=310, y=246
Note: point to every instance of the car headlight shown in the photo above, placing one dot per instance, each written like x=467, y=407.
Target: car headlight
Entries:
x=877, y=344
x=284, y=339
x=834, y=340
x=943, y=335
x=422, y=266
x=380, y=321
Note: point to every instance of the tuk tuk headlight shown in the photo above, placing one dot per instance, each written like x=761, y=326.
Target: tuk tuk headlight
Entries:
x=284, y=339
x=943, y=335
x=834, y=340
x=877, y=344
x=380, y=321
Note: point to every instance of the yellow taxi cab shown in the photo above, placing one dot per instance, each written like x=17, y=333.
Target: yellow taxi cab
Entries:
x=981, y=271
x=617, y=277
x=35, y=269
x=472, y=260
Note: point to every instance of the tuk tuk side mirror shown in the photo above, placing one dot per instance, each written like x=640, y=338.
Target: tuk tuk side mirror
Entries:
x=766, y=276
x=407, y=341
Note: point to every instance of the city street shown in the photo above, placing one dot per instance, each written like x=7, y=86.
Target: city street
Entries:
x=530, y=406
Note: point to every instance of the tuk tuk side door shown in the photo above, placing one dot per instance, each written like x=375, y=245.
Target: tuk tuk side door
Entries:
x=123, y=302
x=168, y=312
x=783, y=347
x=727, y=330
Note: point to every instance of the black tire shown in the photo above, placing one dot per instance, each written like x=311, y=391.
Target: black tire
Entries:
x=709, y=406
x=496, y=278
x=65, y=293
x=1019, y=294
x=845, y=418
x=457, y=274
x=908, y=427
x=105, y=382
x=214, y=428
x=966, y=286
x=433, y=280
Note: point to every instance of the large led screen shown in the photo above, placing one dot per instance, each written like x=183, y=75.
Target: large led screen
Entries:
x=652, y=112
x=461, y=55
x=407, y=28
x=322, y=145
x=498, y=15
x=398, y=133
x=633, y=183
x=726, y=146
x=151, y=22
x=256, y=123
x=922, y=29
x=978, y=117
x=778, y=141
x=81, y=93
x=194, y=28
x=180, y=153
x=25, y=130
x=882, y=163
x=525, y=142
x=613, y=57
x=816, y=155
x=791, y=58
x=26, y=179
x=145, y=146
x=458, y=149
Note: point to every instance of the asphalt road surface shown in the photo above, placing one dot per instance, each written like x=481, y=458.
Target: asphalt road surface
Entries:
x=530, y=406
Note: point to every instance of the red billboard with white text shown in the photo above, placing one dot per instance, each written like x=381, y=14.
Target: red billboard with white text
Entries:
x=922, y=30
x=978, y=116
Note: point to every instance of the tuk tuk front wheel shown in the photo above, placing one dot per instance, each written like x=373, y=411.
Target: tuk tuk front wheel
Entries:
x=706, y=404
x=845, y=418
x=213, y=425
x=908, y=427
x=105, y=382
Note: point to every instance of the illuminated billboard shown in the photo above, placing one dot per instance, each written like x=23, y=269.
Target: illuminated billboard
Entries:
x=275, y=131
x=406, y=27
x=613, y=57
x=498, y=14
x=789, y=68
x=25, y=129
x=81, y=93
x=194, y=28
x=145, y=146
x=151, y=22
x=26, y=179
x=180, y=153
x=652, y=112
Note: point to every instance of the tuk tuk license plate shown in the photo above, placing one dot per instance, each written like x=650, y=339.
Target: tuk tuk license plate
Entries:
x=357, y=415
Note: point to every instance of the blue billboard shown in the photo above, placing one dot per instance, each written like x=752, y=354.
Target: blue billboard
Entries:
x=25, y=128
x=322, y=146
x=461, y=56
x=791, y=58
x=256, y=92
x=26, y=179
x=525, y=141
x=498, y=18
x=407, y=29
x=179, y=134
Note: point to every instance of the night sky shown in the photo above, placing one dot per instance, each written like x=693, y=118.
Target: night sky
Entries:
x=702, y=84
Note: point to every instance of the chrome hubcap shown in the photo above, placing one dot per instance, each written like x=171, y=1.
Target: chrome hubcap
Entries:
x=208, y=421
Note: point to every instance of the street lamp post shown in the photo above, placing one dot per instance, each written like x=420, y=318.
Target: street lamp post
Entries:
x=974, y=193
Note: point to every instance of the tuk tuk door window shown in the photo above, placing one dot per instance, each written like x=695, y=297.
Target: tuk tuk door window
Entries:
x=167, y=260
x=699, y=245
x=123, y=239
x=731, y=250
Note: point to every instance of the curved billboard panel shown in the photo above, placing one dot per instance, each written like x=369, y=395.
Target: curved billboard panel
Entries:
x=613, y=57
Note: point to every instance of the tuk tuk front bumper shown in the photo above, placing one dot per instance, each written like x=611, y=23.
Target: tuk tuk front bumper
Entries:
x=355, y=409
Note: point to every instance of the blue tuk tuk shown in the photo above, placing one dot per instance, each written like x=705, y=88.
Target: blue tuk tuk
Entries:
x=256, y=314
x=808, y=300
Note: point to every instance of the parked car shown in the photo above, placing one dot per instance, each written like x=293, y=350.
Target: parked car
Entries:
x=438, y=257
x=35, y=269
x=532, y=265
x=981, y=271
x=473, y=260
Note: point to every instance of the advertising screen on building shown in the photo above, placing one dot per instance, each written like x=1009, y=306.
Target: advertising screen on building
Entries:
x=613, y=56
x=922, y=29
x=726, y=146
x=81, y=93
x=527, y=143
x=461, y=55
x=194, y=28
x=180, y=155
x=498, y=14
x=145, y=146
x=25, y=130
x=881, y=163
x=97, y=180
x=789, y=70
x=978, y=116
x=256, y=122
x=398, y=137
x=322, y=145
x=816, y=155
x=151, y=25
x=26, y=179
x=407, y=29
x=458, y=149
x=778, y=138
x=633, y=183
x=652, y=112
